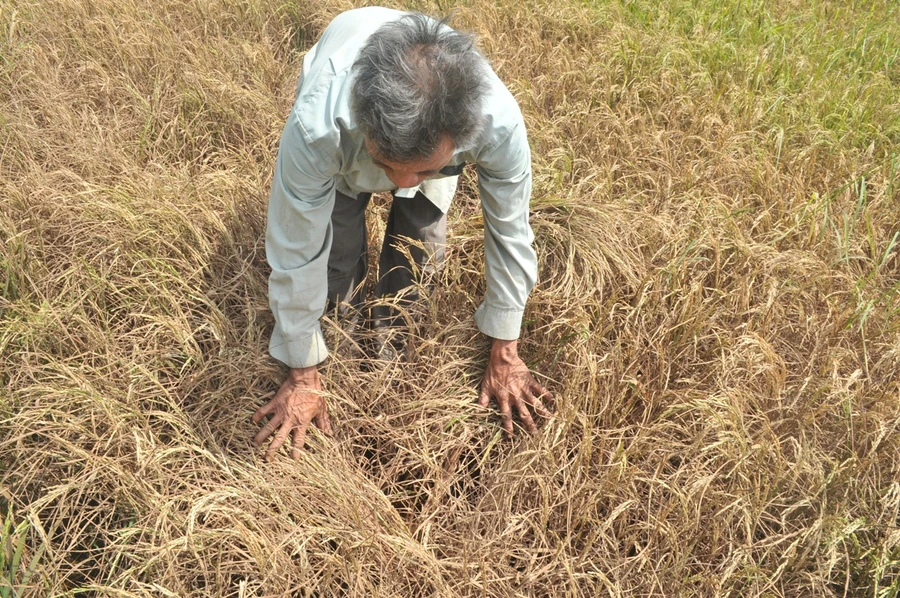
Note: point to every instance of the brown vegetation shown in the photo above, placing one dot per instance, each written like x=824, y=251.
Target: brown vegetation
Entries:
x=717, y=315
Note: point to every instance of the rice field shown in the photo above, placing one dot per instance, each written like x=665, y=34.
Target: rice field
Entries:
x=717, y=219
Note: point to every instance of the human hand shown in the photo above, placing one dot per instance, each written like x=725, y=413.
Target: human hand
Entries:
x=298, y=402
x=508, y=380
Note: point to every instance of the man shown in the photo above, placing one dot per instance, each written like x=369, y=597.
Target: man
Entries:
x=393, y=101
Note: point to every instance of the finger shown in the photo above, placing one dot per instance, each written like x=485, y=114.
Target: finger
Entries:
x=542, y=393
x=323, y=421
x=537, y=405
x=263, y=411
x=541, y=410
x=484, y=397
x=280, y=438
x=506, y=414
x=299, y=441
x=267, y=429
x=525, y=416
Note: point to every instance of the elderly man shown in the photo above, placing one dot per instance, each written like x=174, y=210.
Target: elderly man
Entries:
x=393, y=101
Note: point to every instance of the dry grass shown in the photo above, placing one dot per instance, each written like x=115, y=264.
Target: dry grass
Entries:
x=716, y=211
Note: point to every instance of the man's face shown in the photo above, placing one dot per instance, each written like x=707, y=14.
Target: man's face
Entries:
x=410, y=174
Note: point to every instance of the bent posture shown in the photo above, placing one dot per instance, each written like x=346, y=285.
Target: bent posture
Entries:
x=393, y=101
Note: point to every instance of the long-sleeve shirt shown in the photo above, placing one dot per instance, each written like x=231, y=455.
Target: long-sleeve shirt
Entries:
x=322, y=150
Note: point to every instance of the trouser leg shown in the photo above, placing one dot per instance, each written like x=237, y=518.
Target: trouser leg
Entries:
x=348, y=260
x=420, y=220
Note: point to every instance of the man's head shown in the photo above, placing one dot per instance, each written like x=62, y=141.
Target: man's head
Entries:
x=417, y=93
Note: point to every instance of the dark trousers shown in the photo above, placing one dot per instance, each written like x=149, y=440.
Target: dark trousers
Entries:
x=416, y=218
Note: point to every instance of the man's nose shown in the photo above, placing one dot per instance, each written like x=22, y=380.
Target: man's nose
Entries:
x=406, y=180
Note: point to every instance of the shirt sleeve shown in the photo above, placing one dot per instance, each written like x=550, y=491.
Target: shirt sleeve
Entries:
x=298, y=241
x=504, y=180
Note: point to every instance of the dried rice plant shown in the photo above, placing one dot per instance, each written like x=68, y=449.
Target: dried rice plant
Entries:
x=716, y=213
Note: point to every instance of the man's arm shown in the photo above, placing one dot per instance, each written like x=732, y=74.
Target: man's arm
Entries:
x=504, y=178
x=298, y=241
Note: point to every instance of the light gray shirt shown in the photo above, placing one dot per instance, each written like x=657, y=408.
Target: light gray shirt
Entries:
x=322, y=151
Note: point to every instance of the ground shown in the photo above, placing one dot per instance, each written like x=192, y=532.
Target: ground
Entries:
x=716, y=214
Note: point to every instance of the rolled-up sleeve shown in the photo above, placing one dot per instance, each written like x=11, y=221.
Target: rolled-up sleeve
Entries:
x=504, y=179
x=298, y=241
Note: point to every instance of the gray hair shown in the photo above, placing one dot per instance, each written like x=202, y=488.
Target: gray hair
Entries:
x=415, y=82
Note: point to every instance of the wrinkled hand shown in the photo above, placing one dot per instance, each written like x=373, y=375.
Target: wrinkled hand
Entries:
x=508, y=380
x=298, y=402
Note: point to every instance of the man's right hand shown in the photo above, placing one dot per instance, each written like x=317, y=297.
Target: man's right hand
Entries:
x=298, y=402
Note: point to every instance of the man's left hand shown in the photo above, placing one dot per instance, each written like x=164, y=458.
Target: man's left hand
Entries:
x=508, y=380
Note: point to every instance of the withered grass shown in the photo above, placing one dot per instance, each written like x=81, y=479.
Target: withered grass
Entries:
x=716, y=212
